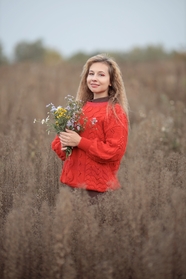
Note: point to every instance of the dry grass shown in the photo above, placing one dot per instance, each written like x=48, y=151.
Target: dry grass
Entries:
x=137, y=232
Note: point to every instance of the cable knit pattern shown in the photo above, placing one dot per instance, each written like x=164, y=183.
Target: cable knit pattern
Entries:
x=94, y=163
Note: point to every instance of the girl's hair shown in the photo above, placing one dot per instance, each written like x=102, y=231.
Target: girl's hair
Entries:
x=116, y=91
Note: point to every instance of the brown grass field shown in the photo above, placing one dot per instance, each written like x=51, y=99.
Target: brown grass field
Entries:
x=137, y=232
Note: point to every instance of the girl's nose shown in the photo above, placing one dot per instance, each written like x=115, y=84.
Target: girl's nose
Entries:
x=94, y=77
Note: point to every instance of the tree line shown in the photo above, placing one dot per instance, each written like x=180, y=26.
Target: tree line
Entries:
x=36, y=51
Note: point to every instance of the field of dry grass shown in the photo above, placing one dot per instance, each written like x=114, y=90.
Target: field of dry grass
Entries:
x=137, y=232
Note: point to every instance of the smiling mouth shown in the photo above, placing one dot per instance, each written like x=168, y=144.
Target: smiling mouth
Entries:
x=93, y=84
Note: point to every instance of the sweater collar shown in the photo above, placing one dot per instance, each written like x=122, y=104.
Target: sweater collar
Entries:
x=100, y=100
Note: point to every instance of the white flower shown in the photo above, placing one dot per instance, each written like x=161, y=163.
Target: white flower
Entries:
x=47, y=119
x=34, y=120
x=94, y=121
x=49, y=105
x=78, y=127
x=53, y=109
x=42, y=121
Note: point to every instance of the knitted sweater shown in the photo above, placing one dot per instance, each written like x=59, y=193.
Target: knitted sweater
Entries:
x=94, y=163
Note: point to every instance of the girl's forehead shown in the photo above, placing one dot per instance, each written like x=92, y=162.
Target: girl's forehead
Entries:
x=99, y=66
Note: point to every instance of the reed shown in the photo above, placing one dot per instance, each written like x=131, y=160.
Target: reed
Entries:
x=138, y=231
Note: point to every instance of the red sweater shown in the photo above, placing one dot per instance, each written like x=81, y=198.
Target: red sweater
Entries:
x=94, y=163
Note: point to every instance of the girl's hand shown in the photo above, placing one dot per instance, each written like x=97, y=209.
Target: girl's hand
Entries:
x=69, y=138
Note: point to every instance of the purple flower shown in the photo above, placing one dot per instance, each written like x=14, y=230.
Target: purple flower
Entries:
x=67, y=108
x=70, y=123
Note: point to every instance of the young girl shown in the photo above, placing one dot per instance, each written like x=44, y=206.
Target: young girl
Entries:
x=98, y=150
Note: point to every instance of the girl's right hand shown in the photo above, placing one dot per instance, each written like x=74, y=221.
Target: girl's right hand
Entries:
x=62, y=147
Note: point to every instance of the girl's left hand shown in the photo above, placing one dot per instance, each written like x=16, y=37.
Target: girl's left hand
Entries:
x=69, y=138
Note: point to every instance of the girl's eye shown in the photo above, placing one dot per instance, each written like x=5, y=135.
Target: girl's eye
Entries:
x=102, y=75
x=90, y=74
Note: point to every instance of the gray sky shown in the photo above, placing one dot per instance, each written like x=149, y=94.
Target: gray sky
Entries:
x=82, y=25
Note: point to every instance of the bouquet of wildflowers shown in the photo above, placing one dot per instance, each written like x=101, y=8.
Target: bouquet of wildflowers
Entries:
x=70, y=117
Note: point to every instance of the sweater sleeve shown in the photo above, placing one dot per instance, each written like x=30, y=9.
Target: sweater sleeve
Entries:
x=114, y=145
x=56, y=146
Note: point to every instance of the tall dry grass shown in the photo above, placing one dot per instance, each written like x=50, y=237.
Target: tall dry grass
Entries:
x=137, y=232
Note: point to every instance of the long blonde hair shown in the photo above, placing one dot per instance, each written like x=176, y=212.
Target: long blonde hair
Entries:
x=116, y=91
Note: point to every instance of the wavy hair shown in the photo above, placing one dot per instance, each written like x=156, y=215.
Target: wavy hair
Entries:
x=116, y=91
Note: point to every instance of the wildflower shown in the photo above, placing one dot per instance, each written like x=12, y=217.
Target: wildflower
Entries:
x=70, y=123
x=53, y=108
x=94, y=121
x=47, y=119
x=67, y=108
x=78, y=127
x=70, y=117
x=49, y=105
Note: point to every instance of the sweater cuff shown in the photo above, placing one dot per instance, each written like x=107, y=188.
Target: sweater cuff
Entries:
x=84, y=144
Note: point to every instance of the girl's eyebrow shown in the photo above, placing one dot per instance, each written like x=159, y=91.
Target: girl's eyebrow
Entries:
x=98, y=71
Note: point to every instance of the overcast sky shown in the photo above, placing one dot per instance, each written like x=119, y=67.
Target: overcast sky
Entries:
x=82, y=25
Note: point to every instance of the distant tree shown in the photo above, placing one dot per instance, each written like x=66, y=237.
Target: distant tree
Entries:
x=52, y=56
x=3, y=58
x=29, y=51
x=179, y=55
x=155, y=52
x=79, y=57
x=148, y=53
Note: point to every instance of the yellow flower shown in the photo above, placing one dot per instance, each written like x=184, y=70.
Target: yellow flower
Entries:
x=61, y=111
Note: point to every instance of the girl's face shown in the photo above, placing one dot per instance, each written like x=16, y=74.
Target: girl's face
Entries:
x=98, y=79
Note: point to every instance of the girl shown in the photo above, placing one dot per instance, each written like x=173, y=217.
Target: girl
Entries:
x=98, y=150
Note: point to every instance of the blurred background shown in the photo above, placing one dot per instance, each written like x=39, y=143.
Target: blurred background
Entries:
x=62, y=29
x=137, y=232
